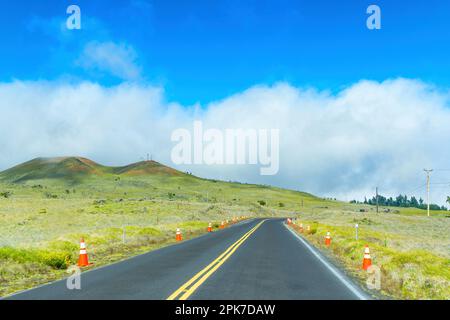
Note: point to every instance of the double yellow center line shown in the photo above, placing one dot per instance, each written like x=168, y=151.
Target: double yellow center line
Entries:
x=187, y=289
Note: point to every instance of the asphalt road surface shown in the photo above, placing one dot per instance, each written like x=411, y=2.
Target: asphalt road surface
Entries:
x=256, y=259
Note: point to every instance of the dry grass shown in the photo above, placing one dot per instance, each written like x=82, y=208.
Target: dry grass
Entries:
x=412, y=251
x=32, y=240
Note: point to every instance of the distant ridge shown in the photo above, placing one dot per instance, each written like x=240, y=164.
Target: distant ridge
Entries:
x=146, y=167
x=77, y=168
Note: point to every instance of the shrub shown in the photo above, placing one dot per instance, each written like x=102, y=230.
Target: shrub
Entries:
x=55, y=259
x=49, y=195
x=148, y=231
x=5, y=194
x=99, y=202
x=59, y=255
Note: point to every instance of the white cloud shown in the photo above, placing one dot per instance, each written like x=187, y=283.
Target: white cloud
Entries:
x=370, y=134
x=120, y=60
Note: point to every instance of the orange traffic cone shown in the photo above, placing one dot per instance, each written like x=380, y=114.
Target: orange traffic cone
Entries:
x=367, y=261
x=327, y=239
x=209, y=227
x=83, y=259
x=178, y=236
x=301, y=227
x=288, y=221
x=222, y=225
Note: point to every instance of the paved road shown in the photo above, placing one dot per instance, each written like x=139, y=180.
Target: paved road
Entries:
x=257, y=259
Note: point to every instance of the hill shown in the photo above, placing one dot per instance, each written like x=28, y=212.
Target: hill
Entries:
x=75, y=169
x=146, y=168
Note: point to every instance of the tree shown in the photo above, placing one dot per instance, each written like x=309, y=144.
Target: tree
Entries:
x=413, y=202
x=401, y=201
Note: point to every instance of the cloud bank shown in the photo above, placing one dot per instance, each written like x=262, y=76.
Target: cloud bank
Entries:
x=341, y=145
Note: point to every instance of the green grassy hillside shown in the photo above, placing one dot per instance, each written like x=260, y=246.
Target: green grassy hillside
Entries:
x=69, y=169
x=69, y=177
x=77, y=169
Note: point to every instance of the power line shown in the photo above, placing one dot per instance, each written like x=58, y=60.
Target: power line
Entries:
x=410, y=192
x=416, y=189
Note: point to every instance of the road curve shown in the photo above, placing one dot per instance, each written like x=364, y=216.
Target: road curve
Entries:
x=256, y=259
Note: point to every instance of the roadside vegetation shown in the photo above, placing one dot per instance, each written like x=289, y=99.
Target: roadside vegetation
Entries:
x=411, y=250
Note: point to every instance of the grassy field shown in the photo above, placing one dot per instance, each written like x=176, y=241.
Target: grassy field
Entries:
x=47, y=205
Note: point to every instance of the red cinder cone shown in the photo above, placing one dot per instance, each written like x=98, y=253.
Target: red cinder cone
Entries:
x=83, y=259
x=178, y=235
x=209, y=227
x=327, y=239
x=367, y=261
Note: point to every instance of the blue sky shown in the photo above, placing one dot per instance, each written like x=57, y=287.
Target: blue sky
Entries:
x=204, y=50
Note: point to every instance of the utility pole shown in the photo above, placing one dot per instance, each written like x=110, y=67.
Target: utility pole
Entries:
x=428, y=171
x=377, y=198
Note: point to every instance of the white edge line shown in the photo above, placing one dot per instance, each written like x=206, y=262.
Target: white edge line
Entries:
x=338, y=275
